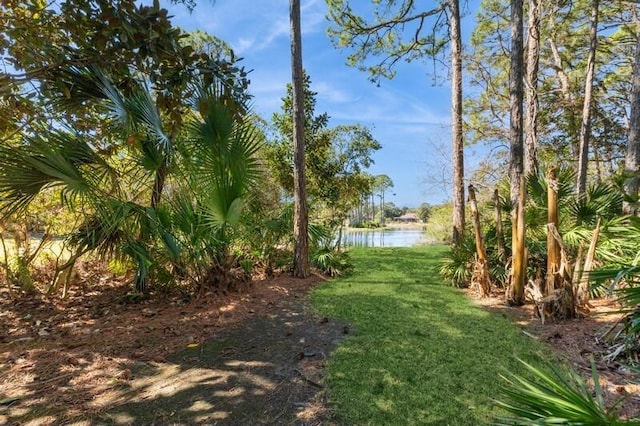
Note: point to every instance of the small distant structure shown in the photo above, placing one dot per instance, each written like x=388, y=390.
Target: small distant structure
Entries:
x=407, y=218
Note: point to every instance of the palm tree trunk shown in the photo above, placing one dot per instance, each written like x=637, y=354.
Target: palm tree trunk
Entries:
x=582, y=290
x=499, y=231
x=481, y=277
x=301, y=215
x=515, y=291
x=158, y=184
x=553, y=247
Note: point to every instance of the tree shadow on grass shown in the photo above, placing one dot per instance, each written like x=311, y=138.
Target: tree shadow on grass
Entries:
x=422, y=355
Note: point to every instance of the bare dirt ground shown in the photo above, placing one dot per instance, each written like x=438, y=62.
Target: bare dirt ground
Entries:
x=253, y=358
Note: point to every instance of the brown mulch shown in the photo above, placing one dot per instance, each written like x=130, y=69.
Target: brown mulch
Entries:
x=256, y=357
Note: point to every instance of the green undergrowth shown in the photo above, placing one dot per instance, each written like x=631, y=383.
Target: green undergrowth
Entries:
x=420, y=352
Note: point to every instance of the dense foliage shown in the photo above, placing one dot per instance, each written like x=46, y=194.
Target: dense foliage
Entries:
x=126, y=138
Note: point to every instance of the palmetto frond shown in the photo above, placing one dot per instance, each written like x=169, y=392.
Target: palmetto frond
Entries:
x=61, y=158
x=133, y=113
x=554, y=398
x=600, y=200
x=144, y=113
x=221, y=159
x=199, y=175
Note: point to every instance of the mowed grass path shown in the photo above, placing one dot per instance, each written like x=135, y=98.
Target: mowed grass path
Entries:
x=420, y=351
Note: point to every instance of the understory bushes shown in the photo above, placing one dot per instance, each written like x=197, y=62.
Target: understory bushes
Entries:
x=599, y=255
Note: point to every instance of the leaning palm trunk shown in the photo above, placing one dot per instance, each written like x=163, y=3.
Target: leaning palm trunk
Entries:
x=480, y=279
x=582, y=289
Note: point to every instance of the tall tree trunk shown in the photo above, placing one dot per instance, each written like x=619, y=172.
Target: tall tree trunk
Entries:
x=565, y=86
x=457, y=142
x=515, y=292
x=301, y=215
x=585, y=127
x=632, y=156
x=533, y=60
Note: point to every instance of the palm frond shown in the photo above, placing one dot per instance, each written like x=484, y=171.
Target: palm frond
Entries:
x=144, y=112
x=59, y=158
x=554, y=398
x=222, y=163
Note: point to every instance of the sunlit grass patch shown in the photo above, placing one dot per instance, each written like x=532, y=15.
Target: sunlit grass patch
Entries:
x=420, y=352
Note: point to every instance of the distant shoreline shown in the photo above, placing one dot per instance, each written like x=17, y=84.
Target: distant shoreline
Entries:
x=392, y=225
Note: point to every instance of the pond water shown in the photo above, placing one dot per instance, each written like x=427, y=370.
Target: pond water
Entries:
x=384, y=238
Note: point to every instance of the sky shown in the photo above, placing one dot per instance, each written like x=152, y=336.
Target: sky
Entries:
x=409, y=115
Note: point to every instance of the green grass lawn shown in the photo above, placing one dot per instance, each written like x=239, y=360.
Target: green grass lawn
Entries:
x=420, y=351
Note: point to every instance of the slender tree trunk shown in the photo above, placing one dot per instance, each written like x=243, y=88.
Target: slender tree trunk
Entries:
x=553, y=247
x=565, y=88
x=599, y=166
x=158, y=184
x=502, y=253
x=141, y=282
x=373, y=207
x=632, y=156
x=515, y=292
x=457, y=142
x=585, y=127
x=582, y=290
x=301, y=215
x=382, y=212
x=533, y=60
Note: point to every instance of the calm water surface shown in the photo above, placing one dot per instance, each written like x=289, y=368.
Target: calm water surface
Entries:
x=384, y=238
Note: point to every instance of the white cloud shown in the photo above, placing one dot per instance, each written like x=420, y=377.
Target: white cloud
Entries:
x=244, y=44
x=313, y=16
x=382, y=106
x=278, y=28
x=332, y=94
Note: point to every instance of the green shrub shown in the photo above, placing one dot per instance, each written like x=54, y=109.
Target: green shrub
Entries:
x=332, y=262
x=457, y=264
x=439, y=224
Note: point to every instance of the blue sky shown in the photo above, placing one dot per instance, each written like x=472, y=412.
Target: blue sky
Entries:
x=409, y=115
